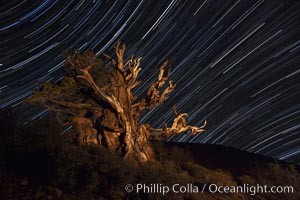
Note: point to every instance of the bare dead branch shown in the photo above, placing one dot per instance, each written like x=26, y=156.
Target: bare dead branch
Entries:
x=178, y=126
x=154, y=96
x=120, y=55
x=113, y=62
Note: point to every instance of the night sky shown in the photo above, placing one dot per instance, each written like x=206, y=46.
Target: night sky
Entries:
x=235, y=63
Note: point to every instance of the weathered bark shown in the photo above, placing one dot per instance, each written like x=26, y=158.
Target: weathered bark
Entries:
x=108, y=115
x=87, y=135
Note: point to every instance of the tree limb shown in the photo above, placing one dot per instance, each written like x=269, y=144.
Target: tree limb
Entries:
x=154, y=96
x=178, y=126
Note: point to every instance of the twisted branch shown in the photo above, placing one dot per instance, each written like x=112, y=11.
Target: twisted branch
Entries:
x=154, y=96
x=178, y=126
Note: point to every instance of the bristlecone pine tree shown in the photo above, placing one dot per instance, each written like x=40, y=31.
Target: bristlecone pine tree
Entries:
x=98, y=102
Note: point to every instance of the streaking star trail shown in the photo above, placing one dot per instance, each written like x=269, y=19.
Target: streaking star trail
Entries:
x=235, y=63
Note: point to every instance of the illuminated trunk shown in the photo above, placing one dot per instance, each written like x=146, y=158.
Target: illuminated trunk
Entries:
x=109, y=134
x=102, y=107
x=117, y=129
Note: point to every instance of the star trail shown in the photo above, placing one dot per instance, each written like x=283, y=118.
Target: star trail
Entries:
x=235, y=63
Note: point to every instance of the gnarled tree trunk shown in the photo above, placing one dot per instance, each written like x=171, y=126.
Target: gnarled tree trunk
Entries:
x=108, y=114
